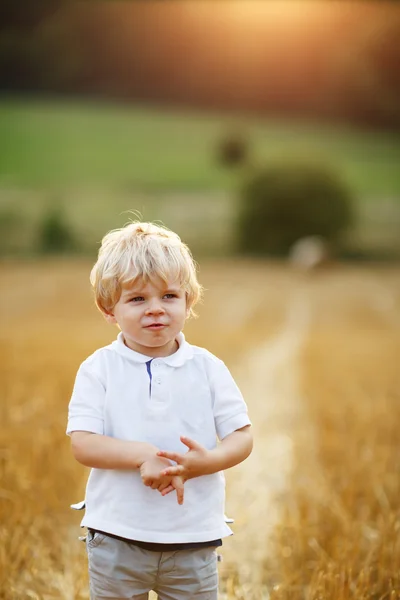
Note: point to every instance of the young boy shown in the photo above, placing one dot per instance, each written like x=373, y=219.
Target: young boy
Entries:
x=145, y=414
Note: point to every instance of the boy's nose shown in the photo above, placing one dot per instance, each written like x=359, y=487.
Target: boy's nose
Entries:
x=154, y=308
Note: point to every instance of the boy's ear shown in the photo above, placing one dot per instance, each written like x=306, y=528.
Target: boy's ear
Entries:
x=110, y=318
x=187, y=307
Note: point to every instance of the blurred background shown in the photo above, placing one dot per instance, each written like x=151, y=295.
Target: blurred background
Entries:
x=267, y=135
x=184, y=111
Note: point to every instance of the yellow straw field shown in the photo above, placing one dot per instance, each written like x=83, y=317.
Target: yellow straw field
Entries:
x=317, y=356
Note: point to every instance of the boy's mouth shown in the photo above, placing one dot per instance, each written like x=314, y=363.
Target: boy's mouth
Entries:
x=155, y=326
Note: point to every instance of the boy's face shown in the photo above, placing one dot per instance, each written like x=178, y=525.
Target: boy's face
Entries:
x=150, y=316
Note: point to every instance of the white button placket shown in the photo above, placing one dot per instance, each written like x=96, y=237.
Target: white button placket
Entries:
x=157, y=389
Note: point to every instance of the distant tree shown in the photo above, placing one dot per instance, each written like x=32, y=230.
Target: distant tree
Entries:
x=26, y=14
x=232, y=150
x=369, y=71
x=39, y=50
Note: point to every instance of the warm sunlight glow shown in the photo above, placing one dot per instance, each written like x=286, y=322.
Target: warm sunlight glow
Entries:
x=254, y=10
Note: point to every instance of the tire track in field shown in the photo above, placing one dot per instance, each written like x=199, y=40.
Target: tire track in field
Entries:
x=382, y=299
x=269, y=379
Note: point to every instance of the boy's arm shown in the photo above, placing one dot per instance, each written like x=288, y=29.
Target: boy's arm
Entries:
x=90, y=446
x=232, y=426
x=104, y=452
x=232, y=450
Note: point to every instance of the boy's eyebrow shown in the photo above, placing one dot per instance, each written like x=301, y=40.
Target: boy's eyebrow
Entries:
x=131, y=291
x=140, y=292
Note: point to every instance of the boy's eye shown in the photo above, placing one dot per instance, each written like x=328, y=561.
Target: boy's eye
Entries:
x=170, y=295
x=137, y=299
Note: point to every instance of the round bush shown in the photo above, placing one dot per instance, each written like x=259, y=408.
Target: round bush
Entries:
x=284, y=202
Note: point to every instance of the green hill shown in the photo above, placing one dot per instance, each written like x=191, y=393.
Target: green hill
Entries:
x=62, y=143
x=95, y=161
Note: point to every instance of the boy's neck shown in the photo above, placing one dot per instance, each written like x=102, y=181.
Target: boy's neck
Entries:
x=161, y=352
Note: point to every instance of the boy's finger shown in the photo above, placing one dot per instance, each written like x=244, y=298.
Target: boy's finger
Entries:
x=167, y=490
x=171, y=455
x=177, y=470
x=192, y=444
x=162, y=486
x=179, y=493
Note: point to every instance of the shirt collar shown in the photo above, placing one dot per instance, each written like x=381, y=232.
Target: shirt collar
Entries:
x=177, y=359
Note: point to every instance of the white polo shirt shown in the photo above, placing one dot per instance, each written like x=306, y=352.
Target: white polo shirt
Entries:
x=129, y=396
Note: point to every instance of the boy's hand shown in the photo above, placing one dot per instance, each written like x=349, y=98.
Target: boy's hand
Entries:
x=194, y=463
x=151, y=473
x=177, y=483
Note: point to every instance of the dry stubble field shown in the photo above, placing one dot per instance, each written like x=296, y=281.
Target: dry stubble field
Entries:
x=316, y=506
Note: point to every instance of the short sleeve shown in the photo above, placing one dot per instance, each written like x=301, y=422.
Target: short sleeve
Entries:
x=86, y=407
x=230, y=410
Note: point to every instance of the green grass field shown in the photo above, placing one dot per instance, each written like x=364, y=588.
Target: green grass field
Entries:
x=100, y=160
x=52, y=143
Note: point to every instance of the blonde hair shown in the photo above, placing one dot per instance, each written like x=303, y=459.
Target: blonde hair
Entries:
x=142, y=250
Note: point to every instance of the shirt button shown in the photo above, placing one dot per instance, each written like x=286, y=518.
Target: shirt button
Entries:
x=158, y=380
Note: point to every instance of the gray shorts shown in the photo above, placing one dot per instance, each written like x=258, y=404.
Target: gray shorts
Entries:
x=118, y=569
